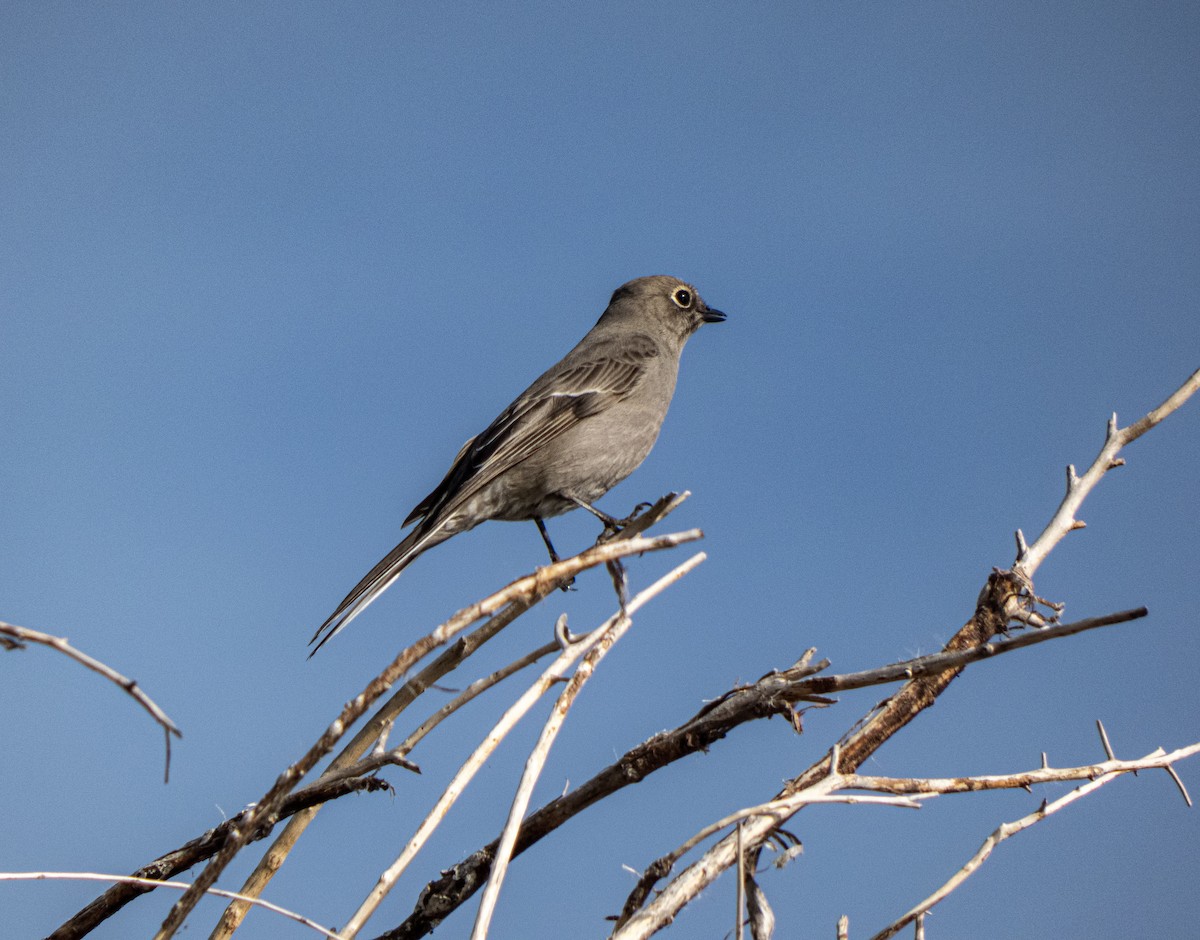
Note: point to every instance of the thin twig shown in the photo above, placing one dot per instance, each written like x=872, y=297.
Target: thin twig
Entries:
x=23, y=635
x=473, y=691
x=1078, y=487
x=153, y=883
x=1005, y=831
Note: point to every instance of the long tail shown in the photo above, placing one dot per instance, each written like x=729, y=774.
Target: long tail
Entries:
x=377, y=581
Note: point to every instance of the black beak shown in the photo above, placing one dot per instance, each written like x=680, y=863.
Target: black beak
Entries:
x=709, y=315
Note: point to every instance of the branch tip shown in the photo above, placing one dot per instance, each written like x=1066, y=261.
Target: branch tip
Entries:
x=1179, y=783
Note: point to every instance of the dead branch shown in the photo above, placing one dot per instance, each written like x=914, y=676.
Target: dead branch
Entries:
x=521, y=595
x=22, y=635
x=150, y=883
x=774, y=694
x=611, y=633
x=1064, y=519
x=150, y=876
x=1097, y=774
x=526, y=590
x=571, y=652
x=830, y=789
x=1007, y=595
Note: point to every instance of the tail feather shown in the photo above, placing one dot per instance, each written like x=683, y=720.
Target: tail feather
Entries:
x=376, y=581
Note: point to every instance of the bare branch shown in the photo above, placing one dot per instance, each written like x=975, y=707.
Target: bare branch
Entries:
x=150, y=883
x=1156, y=759
x=549, y=677
x=768, y=816
x=519, y=600
x=1078, y=487
x=22, y=635
x=524, y=591
x=617, y=628
x=150, y=876
x=1005, y=831
x=773, y=694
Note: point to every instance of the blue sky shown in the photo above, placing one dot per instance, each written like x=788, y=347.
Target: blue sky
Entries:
x=266, y=266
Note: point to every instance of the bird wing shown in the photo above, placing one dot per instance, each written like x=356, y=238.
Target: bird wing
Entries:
x=556, y=402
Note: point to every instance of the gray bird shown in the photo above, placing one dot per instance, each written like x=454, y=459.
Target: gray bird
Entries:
x=579, y=430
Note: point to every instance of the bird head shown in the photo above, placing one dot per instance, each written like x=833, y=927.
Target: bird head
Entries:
x=662, y=302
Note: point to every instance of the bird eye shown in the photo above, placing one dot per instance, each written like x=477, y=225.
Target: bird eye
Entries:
x=682, y=297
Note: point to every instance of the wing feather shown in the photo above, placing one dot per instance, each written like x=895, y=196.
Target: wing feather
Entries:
x=556, y=402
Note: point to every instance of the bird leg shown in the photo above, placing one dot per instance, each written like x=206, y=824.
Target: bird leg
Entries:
x=611, y=525
x=554, y=559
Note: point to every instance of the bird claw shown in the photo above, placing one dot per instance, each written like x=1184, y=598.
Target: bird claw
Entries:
x=637, y=511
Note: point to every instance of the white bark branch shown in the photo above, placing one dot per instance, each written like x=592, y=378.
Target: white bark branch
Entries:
x=154, y=883
x=537, y=759
x=1005, y=831
x=1064, y=519
x=757, y=822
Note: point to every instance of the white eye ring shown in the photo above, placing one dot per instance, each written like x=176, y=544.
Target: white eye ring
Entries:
x=682, y=297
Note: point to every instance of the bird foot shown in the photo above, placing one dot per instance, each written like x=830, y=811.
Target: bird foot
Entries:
x=637, y=511
x=614, y=527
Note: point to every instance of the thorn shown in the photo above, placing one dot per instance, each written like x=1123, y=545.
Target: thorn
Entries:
x=1179, y=783
x=1078, y=524
x=1104, y=740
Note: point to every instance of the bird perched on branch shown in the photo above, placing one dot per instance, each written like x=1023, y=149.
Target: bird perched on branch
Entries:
x=579, y=430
